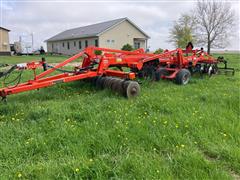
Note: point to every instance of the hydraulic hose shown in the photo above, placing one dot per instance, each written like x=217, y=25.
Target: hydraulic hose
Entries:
x=8, y=72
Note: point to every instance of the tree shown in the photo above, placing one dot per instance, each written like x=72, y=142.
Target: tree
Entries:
x=127, y=47
x=215, y=20
x=182, y=31
x=158, y=51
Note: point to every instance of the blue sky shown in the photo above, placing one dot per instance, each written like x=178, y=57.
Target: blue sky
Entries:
x=45, y=18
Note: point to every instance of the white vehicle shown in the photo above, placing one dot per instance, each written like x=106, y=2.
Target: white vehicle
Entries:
x=24, y=46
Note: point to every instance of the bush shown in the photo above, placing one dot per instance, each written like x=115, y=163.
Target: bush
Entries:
x=98, y=52
x=127, y=47
x=158, y=51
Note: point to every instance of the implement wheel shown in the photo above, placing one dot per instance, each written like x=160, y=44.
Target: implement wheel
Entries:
x=132, y=89
x=183, y=77
x=160, y=72
x=106, y=83
x=99, y=82
x=119, y=87
x=115, y=84
x=114, y=81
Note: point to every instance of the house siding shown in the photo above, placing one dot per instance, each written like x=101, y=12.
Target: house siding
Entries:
x=57, y=46
x=4, y=42
x=115, y=37
x=120, y=35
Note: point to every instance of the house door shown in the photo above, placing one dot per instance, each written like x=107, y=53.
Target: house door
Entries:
x=57, y=48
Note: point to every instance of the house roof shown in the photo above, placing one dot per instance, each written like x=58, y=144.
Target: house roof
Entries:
x=91, y=30
x=4, y=28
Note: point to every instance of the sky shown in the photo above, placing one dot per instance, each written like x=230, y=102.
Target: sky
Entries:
x=46, y=18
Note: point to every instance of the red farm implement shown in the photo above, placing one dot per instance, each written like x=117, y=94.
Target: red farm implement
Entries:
x=106, y=70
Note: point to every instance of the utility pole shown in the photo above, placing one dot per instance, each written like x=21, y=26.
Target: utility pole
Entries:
x=32, y=40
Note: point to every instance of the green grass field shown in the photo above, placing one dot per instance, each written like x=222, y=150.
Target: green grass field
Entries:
x=74, y=131
x=22, y=59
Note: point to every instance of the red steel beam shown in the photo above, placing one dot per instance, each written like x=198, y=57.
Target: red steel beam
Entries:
x=31, y=85
x=60, y=65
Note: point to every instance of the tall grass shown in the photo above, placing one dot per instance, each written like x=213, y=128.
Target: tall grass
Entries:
x=73, y=131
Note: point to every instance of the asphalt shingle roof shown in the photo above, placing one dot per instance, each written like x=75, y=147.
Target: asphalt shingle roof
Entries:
x=86, y=31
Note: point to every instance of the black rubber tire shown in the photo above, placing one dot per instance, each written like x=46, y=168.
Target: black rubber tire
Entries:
x=108, y=85
x=160, y=72
x=132, y=90
x=116, y=84
x=183, y=77
x=94, y=80
x=106, y=82
x=98, y=82
x=103, y=81
x=119, y=87
x=125, y=85
x=214, y=70
x=113, y=82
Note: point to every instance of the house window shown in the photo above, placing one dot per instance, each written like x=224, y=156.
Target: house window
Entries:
x=68, y=45
x=74, y=43
x=137, y=45
x=80, y=44
x=63, y=44
x=110, y=41
x=86, y=43
x=52, y=46
x=96, y=42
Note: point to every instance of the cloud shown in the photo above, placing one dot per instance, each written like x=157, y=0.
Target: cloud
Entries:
x=47, y=18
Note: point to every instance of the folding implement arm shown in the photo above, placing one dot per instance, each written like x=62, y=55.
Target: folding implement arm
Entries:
x=176, y=65
x=109, y=57
x=40, y=82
